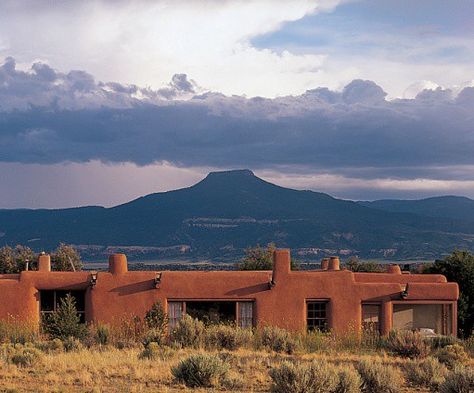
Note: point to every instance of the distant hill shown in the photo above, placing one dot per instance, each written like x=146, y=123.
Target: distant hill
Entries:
x=456, y=207
x=228, y=211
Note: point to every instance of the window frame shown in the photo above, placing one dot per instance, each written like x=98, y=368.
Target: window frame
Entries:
x=327, y=310
x=56, y=300
x=379, y=317
x=451, y=306
x=237, y=302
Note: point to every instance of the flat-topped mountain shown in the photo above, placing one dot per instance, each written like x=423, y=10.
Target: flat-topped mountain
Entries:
x=229, y=211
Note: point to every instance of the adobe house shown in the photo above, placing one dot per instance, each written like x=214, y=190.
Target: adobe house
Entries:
x=329, y=298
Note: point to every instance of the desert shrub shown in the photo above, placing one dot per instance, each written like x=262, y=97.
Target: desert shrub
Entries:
x=232, y=381
x=428, y=373
x=469, y=344
x=349, y=381
x=65, y=322
x=461, y=380
x=443, y=341
x=128, y=331
x=371, y=339
x=227, y=337
x=189, y=332
x=72, y=344
x=407, y=344
x=377, y=377
x=102, y=335
x=152, y=336
x=50, y=346
x=315, y=341
x=25, y=357
x=314, y=377
x=278, y=340
x=201, y=370
x=16, y=331
x=452, y=355
x=157, y=320
x=150, y=352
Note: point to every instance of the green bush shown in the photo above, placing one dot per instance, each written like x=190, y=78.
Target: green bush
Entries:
x=50, y=346
x=201, y=371
x=188, y=332
x=452, y=355
x=378, y=378
x=150, y=352
x=428, y=373
x=152, y=336
x=26, y=357
x=65, y=322
x=157, y=320
x=443, y=341
x=278, y=340
x=227, y=337
x=407, y=344
x=72, y=344
x=314, y=377
x=461, y=380
x=102, y=335
x=349, y=381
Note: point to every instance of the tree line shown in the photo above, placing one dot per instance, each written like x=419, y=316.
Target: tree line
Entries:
x=16, y=259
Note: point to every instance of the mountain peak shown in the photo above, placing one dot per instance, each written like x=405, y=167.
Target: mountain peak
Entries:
x=232, y=173
x=232, y=179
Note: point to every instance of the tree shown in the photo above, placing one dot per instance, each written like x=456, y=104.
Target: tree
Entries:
x=13, y=260
x=261, y=258
x=356, y=265
x=24, y=255
x=65, y=257
x=65, y=321
x=459, y=267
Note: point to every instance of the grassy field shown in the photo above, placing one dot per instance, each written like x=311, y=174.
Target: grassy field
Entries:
x=143, y=355
x=112, y=370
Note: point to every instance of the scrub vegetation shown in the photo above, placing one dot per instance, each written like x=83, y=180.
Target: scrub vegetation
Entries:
x=138, y=355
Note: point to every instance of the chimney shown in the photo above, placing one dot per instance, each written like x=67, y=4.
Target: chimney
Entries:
x=394, y=269
x=118, y=264
x=44, y=263
x=281, y=265
x=334, y=263
x=324, y=264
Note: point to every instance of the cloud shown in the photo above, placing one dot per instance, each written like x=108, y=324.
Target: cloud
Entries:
x=42, y=86
x=50, y=117
x=146, y=42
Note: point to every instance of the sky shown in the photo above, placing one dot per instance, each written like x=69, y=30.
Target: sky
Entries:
x=105, y=101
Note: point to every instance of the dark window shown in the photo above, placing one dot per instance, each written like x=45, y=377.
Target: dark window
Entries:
x=371, y=317
x=50, y=301
x=317, y=315
x=210, y=312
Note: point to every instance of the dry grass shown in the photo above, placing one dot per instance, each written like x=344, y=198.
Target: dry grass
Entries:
x=113, y=370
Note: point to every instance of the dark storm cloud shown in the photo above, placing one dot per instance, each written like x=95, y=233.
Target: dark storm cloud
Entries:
x=50, y=117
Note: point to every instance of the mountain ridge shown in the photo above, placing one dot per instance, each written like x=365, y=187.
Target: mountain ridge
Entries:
x=227, y=211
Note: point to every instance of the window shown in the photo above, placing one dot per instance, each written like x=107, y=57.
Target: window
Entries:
x=316, y=317
x=51, y=300
x=210, y=312
x=245, y=314
x=371, y=317
x=175, y=313
x=429, y=319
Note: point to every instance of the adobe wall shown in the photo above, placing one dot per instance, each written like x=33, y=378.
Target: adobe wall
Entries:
x=118, y=294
